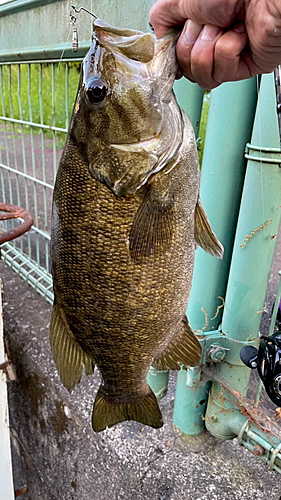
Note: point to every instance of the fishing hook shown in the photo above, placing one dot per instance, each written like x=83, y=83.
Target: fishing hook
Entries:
x=77, y=11
x=73, y=20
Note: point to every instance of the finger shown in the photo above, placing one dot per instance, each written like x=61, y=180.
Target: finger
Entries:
x=202, y=57
x=165, y=14
x=190, y=34
x=227, y=56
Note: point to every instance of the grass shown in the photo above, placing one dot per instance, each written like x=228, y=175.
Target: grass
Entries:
x=203, y=126
x=20, y=97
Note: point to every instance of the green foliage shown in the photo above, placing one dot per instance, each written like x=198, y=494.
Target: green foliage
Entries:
x=39, y=94
x=203, y=125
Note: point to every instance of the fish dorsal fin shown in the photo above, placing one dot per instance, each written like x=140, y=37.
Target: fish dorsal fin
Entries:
x=184, y=349
x=108, y=411
x=203, y=233
x=153, y=226
x=69, y=357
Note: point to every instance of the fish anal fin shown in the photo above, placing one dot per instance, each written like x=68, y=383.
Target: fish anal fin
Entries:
x=69, y=358
x=184, y=350
x=109, y=410
x=203, y=233
x=153, y=226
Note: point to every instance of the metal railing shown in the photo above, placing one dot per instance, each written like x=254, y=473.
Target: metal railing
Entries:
x=31, y=140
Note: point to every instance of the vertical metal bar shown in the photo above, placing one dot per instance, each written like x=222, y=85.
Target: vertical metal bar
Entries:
x=66, y=95
x=14, y=243
x=31, y=119
x=54, y=120
x=13, y=131
x=32, y=155
x=158, y=382
x=22, y=146
x=54, y=157
x=1, y=161
x=228, y=129
x=190, y=404
x=43, y=152
x=6, y=134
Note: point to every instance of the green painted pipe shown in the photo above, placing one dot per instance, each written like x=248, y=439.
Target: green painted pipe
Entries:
x=253, y=251
x=258, y=224
x=190, y=98
x=222, y=178
x=266, y=447
x=231, y=113
x=158, y=382
x=190, y=403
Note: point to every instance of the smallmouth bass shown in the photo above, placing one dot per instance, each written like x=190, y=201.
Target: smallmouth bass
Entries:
x=126, y=218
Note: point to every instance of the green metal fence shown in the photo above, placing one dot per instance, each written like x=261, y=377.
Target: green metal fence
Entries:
x=32, y=133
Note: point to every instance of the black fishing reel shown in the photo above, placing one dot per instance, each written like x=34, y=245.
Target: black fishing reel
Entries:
x=267, y=360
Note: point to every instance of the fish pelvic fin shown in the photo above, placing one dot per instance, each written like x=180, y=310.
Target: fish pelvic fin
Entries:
x=109, y=410
x=153, y=226
x=184, y=349
x=69, y=357
x=203, y=233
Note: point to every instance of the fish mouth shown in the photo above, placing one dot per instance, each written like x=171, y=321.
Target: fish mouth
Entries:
x=123, y=32
x=134, y=44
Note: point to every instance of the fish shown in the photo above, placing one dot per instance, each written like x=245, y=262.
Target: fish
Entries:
x=125, y=223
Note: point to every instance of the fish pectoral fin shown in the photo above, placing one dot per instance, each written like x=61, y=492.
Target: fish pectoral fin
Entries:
x=203, y=233
x=153, y=227
x=69, y=357
x=185, y=349
x=108, y=411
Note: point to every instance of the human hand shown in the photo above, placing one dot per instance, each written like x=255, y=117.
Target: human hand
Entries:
x=222, y=40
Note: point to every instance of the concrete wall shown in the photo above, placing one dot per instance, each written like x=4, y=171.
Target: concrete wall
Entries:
x=31, y=28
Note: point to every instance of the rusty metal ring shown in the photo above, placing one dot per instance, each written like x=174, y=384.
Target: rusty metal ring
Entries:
x=14, y=212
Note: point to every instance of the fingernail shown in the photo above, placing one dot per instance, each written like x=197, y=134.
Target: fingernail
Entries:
x=210, y=32
x=191, y=32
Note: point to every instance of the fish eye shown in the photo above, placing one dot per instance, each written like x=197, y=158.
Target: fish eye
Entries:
x=96, y=90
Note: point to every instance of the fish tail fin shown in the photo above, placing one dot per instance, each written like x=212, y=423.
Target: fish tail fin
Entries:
x=109, y=410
